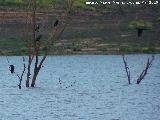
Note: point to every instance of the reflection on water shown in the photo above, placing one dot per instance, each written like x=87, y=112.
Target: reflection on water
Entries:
x=92, y=88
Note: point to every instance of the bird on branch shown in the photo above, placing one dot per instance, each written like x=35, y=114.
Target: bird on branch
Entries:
x=37, y=28
x=38, y=38
x=56, y=23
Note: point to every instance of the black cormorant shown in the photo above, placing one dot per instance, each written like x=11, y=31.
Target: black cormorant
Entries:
x=56, y=23
x=11, y=68
x=37, y=28
x=38, y=38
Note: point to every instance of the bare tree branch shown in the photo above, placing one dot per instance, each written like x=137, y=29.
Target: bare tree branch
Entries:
x=145, y=70
x=55, y=34
x=127, y=69
x=20, y=77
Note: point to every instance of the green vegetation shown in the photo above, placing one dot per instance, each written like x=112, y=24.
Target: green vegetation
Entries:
x=140, y=24
x=89, y=32
x=158, y=19
x=57, y=4
x=126, y=49
x=81, y=4
x=47, y=3
x=148, y=50
x=139, y=50
x=12, y=46
x=13, y=2
x=104, y=49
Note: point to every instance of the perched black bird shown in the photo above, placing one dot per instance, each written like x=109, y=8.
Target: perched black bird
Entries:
x=56, y=23
x=37, y=28
x=11, y=68
x=38, y=38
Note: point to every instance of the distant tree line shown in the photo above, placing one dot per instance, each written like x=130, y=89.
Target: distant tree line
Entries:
x=80, y=4
x=43, y=3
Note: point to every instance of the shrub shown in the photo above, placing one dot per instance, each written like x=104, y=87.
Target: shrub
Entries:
x=148, y=50
x=126, y=49
x=24, y=50
x=103, y=49
x=158, y=19
x=76, y=47
x=140, y=24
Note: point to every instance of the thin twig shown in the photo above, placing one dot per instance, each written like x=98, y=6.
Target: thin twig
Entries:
x=145, y=70
x=21, y=77
x=127, y=69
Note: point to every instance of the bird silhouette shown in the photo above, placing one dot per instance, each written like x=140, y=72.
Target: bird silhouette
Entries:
x=37, y=28
x=56, y=23
x=38, y=38
x=60, y=82
x=11, y=68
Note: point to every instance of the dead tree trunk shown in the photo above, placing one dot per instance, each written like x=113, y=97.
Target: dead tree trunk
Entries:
x=30, y=19
x=28, y=76
x=34, y=77
x=21, y=77
x=127, y=69
x=34, y=53
x=28, y=71
x=144, y=72
x=31, y=55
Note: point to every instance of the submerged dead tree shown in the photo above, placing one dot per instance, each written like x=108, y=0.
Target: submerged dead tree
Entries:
x=34, y=45
x=142, y=74
x=145, y=70
x=127, y=69
x=20, y=77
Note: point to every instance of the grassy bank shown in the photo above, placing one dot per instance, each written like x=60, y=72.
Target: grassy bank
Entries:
x=89, y=32
x=18, y=47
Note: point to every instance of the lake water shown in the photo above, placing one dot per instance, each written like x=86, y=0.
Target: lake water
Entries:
x=92, y=88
